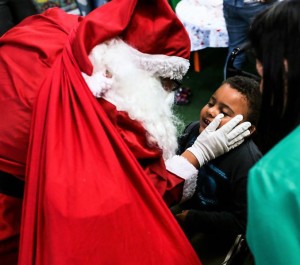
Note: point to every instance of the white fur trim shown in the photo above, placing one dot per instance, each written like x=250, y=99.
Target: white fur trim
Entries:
x=161, y=65
x=181, y=167
x=172, y=67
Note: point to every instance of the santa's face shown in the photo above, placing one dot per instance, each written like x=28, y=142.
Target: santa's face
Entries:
x=170, y=85
x=145, y=97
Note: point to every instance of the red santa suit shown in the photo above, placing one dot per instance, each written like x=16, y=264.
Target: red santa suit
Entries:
x=93, y=189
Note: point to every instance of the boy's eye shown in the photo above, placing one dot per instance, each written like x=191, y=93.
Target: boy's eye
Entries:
x=210, y=104
x=226, y=112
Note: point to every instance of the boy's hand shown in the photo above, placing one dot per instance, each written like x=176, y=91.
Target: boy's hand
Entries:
x=212, y=143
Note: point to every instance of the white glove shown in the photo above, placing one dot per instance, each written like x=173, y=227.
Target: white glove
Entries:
x=212, y=143
x=98, y=83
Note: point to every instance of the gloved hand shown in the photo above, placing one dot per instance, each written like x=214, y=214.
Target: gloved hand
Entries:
x=98, y=83
x=212, y=143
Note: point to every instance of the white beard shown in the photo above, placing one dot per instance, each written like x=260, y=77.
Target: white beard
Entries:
x=139, y=93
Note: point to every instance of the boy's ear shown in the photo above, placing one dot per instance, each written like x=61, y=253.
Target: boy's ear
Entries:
x=252, y=129
x=259, y=68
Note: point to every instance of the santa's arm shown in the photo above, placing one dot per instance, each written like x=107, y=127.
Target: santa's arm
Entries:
x=180, y=166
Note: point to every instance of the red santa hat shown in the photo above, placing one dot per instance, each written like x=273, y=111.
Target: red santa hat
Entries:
x=149, y=26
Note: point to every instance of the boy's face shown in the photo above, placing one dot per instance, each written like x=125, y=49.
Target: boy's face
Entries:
x=225, y=100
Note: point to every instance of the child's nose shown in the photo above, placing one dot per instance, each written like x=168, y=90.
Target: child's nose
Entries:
x=213, y=112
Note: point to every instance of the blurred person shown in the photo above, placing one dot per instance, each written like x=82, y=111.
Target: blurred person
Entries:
x=97, y=3
x=14, y=11
x=274, y=183
x=238, y=16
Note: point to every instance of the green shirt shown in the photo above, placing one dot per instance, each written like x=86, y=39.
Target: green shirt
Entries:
x=273, y=230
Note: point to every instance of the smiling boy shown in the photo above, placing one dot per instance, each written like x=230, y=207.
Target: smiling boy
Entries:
x=218, y=209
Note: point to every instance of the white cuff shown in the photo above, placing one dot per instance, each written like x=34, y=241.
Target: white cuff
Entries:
x=181, y=167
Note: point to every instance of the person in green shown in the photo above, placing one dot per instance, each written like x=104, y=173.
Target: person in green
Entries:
x=273, y=229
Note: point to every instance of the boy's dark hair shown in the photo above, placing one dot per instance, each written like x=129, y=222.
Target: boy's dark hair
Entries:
x=250, y=89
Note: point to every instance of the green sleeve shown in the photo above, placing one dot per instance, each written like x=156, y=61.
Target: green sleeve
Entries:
x=273, y=230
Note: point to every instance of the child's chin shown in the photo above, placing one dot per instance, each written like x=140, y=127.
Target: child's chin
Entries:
x=202, y=128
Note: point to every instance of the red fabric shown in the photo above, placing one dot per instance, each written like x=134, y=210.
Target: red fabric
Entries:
x=26, y=56
x=167, y=184
x=151, y=26
x=87, y=200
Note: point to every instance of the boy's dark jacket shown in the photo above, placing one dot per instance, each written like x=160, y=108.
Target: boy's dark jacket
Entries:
x=219, y=205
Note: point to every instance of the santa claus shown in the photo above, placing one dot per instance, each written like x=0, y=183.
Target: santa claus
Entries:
x=87, y=122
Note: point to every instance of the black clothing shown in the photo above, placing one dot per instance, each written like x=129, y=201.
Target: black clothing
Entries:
x=10, y=185
x=14, y=11
x=219, y=205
